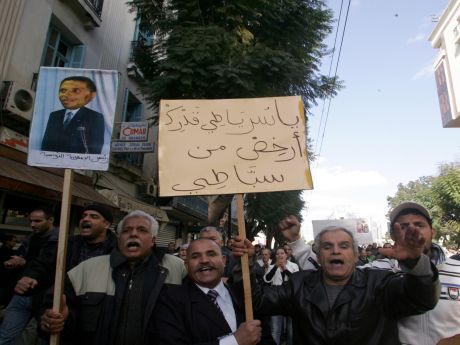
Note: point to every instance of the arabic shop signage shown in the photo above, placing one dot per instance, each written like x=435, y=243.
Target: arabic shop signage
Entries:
x=232, y=146
x=132, y=146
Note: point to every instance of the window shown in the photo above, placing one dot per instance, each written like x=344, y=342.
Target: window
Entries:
x=142, y=40
x=59, y=52
x=143, y=34
x=133, y=112
x=134, y=109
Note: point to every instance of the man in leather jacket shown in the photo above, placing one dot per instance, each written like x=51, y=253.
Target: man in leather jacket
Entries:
x=339, y=304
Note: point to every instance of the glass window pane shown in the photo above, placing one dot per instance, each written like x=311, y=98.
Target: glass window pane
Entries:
x=48, y=60
x=63, y=48
x=59, y=62
x=53, y=37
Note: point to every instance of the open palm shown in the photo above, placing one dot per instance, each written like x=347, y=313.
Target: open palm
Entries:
x=409, y=243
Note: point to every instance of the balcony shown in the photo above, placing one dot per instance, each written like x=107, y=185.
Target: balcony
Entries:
x=132, y=69
x=92, y=8
x=187, y=209
x=139, y=46
x=96, y=6
x=197, y=206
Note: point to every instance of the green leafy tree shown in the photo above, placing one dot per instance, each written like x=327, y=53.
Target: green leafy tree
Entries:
x=441, y=196
x=446, y=194
x=239, y=48
x=209, y=49
x=262, y=216
x=418, y=191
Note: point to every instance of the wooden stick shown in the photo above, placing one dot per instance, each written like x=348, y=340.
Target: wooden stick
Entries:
x=62, y=246
x=244, y=260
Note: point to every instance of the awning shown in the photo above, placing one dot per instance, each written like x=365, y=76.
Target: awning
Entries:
x=18, y=177
x=128, y=204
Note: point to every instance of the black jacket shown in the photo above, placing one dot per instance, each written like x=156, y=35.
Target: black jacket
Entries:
x=95, y=313
x=43, y=267
x=184, y=315
x=366, y=311
x=33, y=247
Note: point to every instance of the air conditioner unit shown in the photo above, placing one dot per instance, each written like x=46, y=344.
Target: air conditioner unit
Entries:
x=17, y=99
x=151, y=189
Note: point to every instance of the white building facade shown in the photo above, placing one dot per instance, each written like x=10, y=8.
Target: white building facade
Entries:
x=446, y=39
x=90, y=34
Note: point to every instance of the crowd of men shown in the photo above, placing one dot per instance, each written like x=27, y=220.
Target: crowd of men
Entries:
x=123, y=289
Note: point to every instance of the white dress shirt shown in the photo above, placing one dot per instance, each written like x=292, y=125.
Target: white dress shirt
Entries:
x=226, y=305
x=72, y=111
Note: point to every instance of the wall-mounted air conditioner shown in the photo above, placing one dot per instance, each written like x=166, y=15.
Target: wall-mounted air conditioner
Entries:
x=151, y=189
x=17, y=100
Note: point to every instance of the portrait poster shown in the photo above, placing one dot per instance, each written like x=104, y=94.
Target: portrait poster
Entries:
x=73, y=118
x=229, y=146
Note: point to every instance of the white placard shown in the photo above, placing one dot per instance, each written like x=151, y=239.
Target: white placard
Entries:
x=231, y=146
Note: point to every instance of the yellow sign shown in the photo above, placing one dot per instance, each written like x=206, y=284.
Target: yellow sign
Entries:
x=229, y=146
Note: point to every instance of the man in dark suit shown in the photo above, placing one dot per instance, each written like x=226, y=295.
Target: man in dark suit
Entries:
x=75, y=129
x=203, y=310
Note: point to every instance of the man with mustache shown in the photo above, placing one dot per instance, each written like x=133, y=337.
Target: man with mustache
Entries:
x=76, y=128
x=214, y=234
x=339, y=304
x=94, y=239
x=443, y=322
x=110, y=299
x=203, y=310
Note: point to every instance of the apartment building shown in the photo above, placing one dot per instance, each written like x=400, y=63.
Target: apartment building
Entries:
x=90, y=34
x=446, y=39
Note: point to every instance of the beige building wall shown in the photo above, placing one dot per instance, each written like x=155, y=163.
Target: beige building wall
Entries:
x=23, y=31
x=446, y=39
x=24, y=26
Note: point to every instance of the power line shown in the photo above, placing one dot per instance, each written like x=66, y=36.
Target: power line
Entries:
x=329, y=99
x=330, y=68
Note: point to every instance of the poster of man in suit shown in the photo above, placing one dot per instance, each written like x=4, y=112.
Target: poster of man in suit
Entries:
x=73, y=118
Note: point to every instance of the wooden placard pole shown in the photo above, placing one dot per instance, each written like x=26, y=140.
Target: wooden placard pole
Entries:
x=244, y=260
x=62, y=246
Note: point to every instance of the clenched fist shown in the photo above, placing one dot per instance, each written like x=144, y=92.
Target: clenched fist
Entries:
x=249, y=333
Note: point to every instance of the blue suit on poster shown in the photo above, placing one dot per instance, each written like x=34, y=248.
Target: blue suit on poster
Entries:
x=83, y=134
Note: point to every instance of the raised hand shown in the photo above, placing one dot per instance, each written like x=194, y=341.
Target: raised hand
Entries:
x=409, y=243
x=290, y=228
